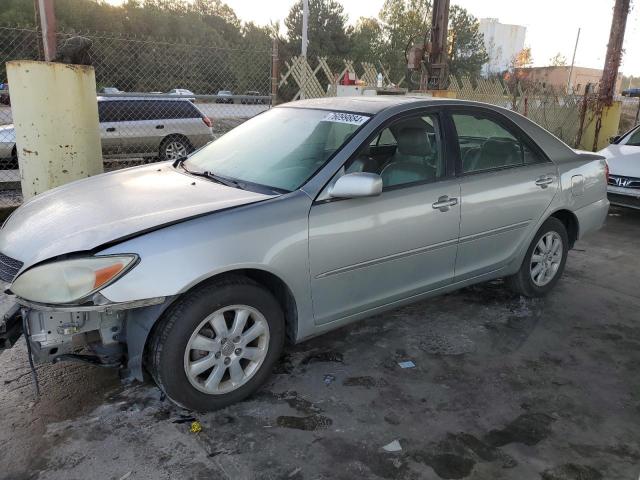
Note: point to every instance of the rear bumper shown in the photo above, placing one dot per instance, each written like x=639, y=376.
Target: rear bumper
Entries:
x=592, y=217
x=624, y=197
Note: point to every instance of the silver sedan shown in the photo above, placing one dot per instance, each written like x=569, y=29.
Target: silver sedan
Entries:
x=303, y=219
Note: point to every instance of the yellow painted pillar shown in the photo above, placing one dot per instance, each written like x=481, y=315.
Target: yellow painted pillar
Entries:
x=608, y=126
x=55, y=115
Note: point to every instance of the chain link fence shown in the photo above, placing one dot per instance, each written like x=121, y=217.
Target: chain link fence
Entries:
x=157, y=100
x=160, y=100
x=630, y=113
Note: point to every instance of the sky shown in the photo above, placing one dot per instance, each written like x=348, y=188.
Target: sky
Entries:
x=552, y=25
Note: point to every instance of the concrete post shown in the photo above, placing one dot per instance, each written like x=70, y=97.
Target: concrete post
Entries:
x=55, y=114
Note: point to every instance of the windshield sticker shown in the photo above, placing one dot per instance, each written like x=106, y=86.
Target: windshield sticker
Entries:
x=350, y=118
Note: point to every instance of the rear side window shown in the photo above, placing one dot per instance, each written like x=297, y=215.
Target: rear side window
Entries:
x=486, y=144
x=138, y=110
x=177, y=109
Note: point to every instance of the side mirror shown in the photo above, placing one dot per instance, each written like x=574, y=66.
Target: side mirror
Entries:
x=356, y=185
x=614, y=139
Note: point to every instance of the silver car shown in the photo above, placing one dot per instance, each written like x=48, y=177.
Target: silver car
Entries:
x=305, y=218
x=170, y=128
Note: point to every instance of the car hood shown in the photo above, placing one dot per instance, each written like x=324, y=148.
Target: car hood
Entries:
x=89, y=213
x=622, y=159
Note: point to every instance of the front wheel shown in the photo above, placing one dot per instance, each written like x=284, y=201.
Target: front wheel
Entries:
x=217, y=345
x=544, y=262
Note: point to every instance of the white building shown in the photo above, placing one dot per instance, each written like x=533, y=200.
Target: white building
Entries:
x=502, y=42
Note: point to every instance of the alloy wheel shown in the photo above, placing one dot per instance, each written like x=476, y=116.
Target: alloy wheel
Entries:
x=546, y=258
x=226, y=349
x=175, y=149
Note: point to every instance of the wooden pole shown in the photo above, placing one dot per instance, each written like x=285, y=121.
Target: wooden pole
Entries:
x=274, y=71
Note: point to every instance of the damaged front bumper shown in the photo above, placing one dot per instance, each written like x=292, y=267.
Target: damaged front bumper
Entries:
x=104, y=335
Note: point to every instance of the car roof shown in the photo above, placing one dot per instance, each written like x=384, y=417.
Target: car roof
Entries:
x=152, y=98
x=552, y=146
x=369, y=105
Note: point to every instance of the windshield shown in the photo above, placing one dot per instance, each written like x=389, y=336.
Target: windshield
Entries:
x=281, y=148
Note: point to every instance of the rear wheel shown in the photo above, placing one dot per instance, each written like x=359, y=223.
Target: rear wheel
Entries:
x=173, y=148
x=217, y=345
x=544, y=262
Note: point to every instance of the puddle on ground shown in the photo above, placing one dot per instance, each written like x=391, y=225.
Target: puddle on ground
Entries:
x=571, y=471
x=449, y=344
x=529, y=428
x=284, y=365
x=366, y=381
x=456, y=455
x=296, y=402
x=322, y=357
x=310, y=423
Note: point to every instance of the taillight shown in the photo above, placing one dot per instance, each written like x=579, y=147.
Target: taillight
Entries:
x=207, y=121
x=606, y=171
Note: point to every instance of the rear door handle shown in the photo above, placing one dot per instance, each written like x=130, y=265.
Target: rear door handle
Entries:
x=444, y=203
x=159, y=127
x=545, y=180
x=111, y=129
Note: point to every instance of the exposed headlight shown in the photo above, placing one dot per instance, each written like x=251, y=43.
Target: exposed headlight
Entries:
x=68, y=281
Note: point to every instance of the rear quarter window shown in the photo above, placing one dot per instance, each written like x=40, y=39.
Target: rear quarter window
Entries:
x=178, y=109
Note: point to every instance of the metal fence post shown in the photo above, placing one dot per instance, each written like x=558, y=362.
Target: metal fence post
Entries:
x=274, y=71
x=46, y=11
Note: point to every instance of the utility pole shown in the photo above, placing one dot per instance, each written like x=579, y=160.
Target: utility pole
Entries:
x=46, y=12
x=614, y=52
x=305, y=41
x=305, y=26
x=573, y=61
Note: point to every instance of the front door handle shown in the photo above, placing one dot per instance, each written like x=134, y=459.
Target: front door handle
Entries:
x=444, y=203
x=159, y=127
x=545, y=180
x=111, y=129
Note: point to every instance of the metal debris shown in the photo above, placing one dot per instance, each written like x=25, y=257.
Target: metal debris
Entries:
x=329, y=379
x=393, y=447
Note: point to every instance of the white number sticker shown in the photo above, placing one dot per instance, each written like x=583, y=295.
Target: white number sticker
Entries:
x=350, y=118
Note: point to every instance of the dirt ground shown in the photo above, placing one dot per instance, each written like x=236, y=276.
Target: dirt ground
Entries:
x=502, y=387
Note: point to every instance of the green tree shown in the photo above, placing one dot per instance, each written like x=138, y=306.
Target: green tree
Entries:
x=327, y=32
x=467, y=53
x=404, y=22
x=367, y=41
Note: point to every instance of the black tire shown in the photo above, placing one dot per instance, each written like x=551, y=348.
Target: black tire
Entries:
x=174, y=139
x=522, y=282
x=169, y=339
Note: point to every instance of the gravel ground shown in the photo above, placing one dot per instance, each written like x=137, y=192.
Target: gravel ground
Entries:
x=503, y=387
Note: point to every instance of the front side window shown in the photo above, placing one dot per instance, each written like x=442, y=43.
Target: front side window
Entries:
x=634, y=138
x=281, y=148
x=487, y=145
x=407, y=151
